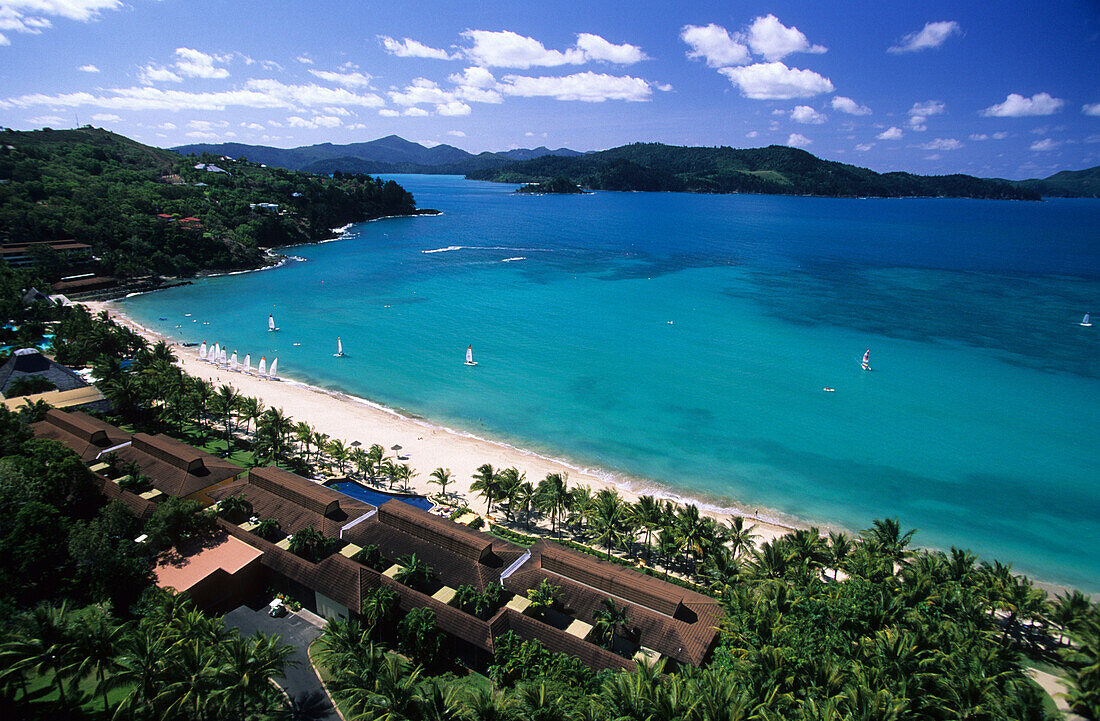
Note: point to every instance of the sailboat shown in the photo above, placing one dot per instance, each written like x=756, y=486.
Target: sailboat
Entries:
x=247, y=363
x=233, y=362
x=470, y=356
x=222, y=359
x=1086, y=321
x=272, y=372
x=210, y=355
x=339, y=349
x=262, y=368
x=202, y=351
x=271, y=322
x=866, y=364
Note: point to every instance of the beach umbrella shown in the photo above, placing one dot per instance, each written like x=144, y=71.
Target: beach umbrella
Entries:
x=356, y=444
x=396, y=449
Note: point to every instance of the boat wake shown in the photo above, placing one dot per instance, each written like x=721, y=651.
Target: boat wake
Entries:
x=509, y=260
x=444, y=250
x=451, y=248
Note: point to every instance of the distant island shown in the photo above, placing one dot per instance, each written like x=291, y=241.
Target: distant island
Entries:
x=654, y=166
x=775, y=169
x=151, y=212
x=555, y=186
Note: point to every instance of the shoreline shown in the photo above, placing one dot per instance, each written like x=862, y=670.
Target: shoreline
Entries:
x=426, y=444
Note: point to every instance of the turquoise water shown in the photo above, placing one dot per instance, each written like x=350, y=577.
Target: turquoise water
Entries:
x=683, y=341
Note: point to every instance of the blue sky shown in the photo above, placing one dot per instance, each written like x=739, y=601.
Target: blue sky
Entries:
x=1003, y=88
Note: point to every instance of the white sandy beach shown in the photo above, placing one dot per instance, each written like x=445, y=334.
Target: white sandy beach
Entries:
x=424, y=446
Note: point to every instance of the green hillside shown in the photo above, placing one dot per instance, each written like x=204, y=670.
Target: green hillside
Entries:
x=107, y=190
x=774, y=169
x=1066, y=184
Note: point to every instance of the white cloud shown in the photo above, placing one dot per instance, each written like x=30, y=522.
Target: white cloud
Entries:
x=932, y=35
x=304, y=60
x=317, y=121
x=106, y=118
x=27, y=16
x=46, y=120
x=474, y=77
x=456, y=133
x=255, y=93
x=928, y=107
x=587, y=87
x=714, y=44
x=388, y=113
x=864, y=147
x=916, y=122
x=201, y=135
x=166, y=126
x=409, y=48
x=357, y=126
x=797, y=140
x=752, y=134
x=416, y=112
x=942, y=144
x=88, y=69
x=195, y=64
x=153, y=74
x=847, y=105
x=1093, y=109
x=421, y=91
x=252, y=126
x=775, y=81
x=1045, y=144
x=453, y=108
x=336, y=110
x=348, y=80
x=774, y=40
x=807, y=116
x=207, y=124
x=892, y=133
x=1017, y=106
x=596, y=48
x=986, y=136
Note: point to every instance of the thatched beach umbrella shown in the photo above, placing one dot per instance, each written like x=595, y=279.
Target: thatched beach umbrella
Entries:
x=396, y=449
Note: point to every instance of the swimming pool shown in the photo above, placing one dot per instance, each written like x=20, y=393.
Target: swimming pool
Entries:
x=377, y=498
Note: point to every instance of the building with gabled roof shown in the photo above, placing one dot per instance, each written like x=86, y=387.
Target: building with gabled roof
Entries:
x=86, y=435
x=30, y=362
x=175, y=468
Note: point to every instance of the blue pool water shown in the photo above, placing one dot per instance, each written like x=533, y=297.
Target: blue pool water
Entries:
x=681, y=343
x=377, y=498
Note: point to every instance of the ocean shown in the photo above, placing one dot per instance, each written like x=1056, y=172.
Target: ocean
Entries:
x=683, y=342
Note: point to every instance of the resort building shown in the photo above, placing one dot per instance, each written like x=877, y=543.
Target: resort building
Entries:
x=22, y=254
x=29, y=362
x=368, y=547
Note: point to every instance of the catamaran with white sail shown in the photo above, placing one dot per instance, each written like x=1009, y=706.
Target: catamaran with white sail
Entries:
x=1086, y=321
x=247, y=363
x=202, y=351
x=262, y=368
x=271, y=322
x=866, y=364
x=470, y=356
x=233, y=362
x=339, y=348
x=272, y=373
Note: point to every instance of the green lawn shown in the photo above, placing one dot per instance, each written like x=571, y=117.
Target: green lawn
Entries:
x=41, y=691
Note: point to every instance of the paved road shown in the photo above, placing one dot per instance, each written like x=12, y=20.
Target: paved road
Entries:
x=300, y=682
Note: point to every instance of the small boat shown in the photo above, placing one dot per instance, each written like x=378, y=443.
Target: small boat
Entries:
x=339, y=349
x=866, y=364
x=202, y=351
x=271, y=322
x=233, y=362
x=217, y=354
x=272, y=373
x=262, y=368
x=827, y=389
x=247, y=363
x=470, y=356
x=1086, y=321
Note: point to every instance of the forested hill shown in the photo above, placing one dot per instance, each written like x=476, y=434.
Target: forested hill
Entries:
x=774, y=170
x=150, y=211
x=1066, y=184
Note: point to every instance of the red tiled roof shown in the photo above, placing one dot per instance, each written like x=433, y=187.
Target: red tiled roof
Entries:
x=181, y=572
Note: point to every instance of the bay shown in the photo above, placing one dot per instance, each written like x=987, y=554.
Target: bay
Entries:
x=683, y=342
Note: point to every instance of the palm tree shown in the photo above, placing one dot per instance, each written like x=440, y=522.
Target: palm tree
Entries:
x=552, y=497
x=647, y=515
x=607, y=620
x=489, y=704
x=508, y=479
x=414, y=572
x=486, y=484
x=691, y=533
x=886, y=536
x=358, y=458
x=379, y=606
x=376, y=454
x=244, y=677
x=538, y=704
x=722, y=570
x=48, y=646
x=840, y=547
x=139, y=669
x=190, y=680
x=441, y=477
x=405, y=474
x=321, y=441
x=234, y=508
x=226, y=400
x=339, y=453
x=274, y=428
x=609, y=519
x=542, y=596
x=389, y=471
x=251, y=409
x=523, y=498
x=268, y=529
x=741, y=539
x=304, y=435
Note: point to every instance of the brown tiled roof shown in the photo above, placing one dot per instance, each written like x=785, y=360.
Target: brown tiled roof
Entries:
x=445, y=534
x=672, y=620
x=176, y=468
x=307, y=494
x=273, y=496
x=556, y=640
x=86, y=435
x=138, y=506
x=448, y=618
x=398, y=529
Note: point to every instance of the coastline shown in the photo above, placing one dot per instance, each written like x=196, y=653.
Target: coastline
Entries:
x=426, y=445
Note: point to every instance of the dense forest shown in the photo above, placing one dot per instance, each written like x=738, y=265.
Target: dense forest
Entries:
x=774, y=170
x=132, y=202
